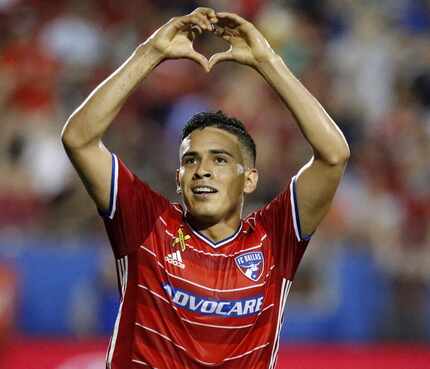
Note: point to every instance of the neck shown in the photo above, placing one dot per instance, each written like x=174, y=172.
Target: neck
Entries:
x=215, y=231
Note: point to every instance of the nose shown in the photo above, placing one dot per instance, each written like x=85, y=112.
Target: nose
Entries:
x=203, y=171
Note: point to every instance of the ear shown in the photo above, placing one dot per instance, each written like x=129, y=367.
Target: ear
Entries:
x=251, y=180
x=178, y=184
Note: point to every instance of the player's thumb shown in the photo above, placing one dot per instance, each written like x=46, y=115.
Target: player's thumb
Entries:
x=220, y=57
x=199, y=59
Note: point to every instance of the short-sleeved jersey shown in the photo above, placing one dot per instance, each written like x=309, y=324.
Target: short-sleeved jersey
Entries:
x=188, y=302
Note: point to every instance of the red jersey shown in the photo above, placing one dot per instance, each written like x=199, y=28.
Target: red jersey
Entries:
x=188, y=302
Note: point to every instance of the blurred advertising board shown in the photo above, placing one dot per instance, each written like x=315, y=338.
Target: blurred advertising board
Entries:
x=50, y=354
x=8, y=302
x=8, y=290
x=53, y=354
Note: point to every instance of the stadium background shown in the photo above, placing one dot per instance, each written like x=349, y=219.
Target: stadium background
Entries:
x=362, y=295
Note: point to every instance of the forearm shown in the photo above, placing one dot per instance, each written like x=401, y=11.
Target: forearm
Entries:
x=93, y=117
x=325, y=137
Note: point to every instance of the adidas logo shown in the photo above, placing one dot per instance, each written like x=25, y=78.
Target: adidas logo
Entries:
x=175, y=258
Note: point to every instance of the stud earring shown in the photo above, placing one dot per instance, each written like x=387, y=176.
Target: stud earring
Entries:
x=178, y=190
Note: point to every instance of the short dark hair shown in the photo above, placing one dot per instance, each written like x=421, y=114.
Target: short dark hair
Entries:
x=221, y=121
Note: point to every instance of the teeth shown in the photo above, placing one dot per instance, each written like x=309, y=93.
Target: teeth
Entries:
x=203, y=190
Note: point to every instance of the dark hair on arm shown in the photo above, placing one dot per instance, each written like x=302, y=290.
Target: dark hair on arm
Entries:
x=221, y=121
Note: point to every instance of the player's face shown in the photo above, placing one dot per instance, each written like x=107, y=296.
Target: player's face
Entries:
x=212, y=175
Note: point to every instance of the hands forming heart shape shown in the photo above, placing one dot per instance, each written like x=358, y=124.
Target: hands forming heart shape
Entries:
x=174, y=40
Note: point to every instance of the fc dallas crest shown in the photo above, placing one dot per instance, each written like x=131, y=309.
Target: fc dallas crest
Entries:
x=251, y=264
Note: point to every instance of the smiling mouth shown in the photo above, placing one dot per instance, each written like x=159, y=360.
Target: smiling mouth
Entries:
x=204, y=191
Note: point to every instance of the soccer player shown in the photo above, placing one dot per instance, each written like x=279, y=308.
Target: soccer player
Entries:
x=202, y=287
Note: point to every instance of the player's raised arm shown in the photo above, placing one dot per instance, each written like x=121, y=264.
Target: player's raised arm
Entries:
x=83, y=131
x=318, y=180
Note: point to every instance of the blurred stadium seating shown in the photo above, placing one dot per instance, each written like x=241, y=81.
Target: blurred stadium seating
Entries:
x=366, y=276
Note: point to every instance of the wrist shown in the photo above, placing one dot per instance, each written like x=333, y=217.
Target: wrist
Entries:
x=269, y=62
x=273, y=67
x=149, y=54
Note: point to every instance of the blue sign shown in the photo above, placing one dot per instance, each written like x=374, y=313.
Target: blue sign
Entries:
x=210, y=306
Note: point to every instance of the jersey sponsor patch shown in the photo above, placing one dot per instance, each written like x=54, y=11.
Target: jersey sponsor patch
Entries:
x=203, y=305
x=251, y=264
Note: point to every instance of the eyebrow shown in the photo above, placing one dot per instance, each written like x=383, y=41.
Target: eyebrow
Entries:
x=213, y=151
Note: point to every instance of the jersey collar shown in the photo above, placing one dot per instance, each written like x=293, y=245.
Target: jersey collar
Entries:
x=219, y=243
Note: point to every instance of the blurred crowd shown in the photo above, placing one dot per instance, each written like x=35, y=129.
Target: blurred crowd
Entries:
x=367, y=62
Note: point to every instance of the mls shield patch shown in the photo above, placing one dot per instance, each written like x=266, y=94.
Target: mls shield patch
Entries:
x=251, y=264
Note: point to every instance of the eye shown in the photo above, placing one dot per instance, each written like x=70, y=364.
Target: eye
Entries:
x=220, y=160
x=189, y=160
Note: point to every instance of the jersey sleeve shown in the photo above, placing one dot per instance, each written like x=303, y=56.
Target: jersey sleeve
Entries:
x=280, y=219
x=133, y=209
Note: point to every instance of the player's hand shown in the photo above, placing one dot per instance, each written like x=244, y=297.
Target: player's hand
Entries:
x=247, y=45
x=174, y=40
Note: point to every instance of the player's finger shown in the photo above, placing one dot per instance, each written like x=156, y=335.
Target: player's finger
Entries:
x=208, y=16
x=220, y=57
x=225, y=33
x=218, y=31
x=196, y=29
x=208, y=12
x=192, y=34
x=205, y=21
x=197, y=19
x=226, y=37
x=199, y=59
x=233, y=19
